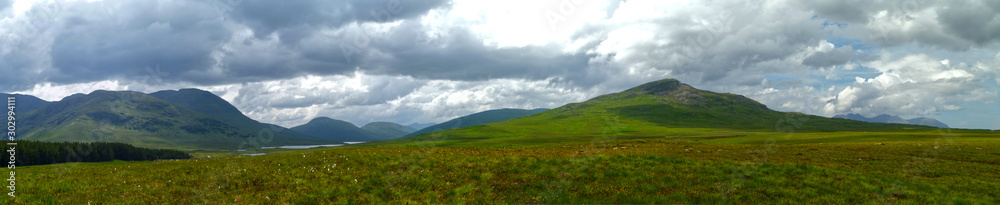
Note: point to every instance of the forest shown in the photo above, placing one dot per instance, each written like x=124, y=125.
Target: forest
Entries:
x=29, y=152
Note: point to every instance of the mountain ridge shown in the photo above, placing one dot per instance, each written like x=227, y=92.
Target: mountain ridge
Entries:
x=479, y=118
x=884, y=118
x=326, y=128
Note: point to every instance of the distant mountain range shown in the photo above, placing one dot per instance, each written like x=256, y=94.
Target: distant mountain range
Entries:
x=883, y=118
x=489, y=116
x=388, y=130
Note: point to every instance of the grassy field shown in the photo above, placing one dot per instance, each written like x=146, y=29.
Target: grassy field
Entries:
x=961, y=167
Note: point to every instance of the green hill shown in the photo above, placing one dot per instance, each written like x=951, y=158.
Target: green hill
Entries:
x=388, y=130
x=489, y=116
x=135, y=118
x=210, y=104
x=26, y=103
x=325, y=128
x=207, y=103
x=664, y=108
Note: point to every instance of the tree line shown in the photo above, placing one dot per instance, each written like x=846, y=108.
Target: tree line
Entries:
x=38, y=153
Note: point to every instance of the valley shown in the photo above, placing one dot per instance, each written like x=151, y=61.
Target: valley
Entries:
x=660, y=142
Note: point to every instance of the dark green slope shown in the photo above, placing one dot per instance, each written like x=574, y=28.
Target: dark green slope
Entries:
x=134, y=118
x=25, y=103
x=325, y=128
x=489, y=116
x=210, y=104
x=207, y=103
x=388, y=130
x=656, y=109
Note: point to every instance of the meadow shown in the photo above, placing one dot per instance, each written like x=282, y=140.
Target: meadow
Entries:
x=736, y=168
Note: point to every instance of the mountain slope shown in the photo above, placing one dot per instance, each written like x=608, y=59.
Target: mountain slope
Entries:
x=325, y=128
x=927, y=121
x=418, y=126
x=489, y=116
x=664, y=108
x=207, y=103
x=138, y=119
x=388, y=130
x=128, y=117
x=883, y=118
x=210, y=104
x=25, y=103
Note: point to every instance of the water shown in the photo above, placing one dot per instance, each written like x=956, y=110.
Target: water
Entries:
x=254, y=154
x=353, y=142
x=303, y=146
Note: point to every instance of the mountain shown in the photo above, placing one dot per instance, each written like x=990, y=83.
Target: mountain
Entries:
x=664, y=108
x=325, y=128
x=25, y=103
x=489, y=116
x=207, y=103
x=388, y=130
x=883, y=118
x=418, y=126
x=138, y=119
x=927, y=121
x=210, y=104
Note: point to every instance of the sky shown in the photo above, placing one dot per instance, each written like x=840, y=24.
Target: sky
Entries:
x=407, y=61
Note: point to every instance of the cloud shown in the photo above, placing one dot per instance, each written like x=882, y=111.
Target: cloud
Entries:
x=294, y=20
x=364, y=98
x=943, y=24
x=832, y=57
x=5, y=3
x=912, y=85
x=420, y=61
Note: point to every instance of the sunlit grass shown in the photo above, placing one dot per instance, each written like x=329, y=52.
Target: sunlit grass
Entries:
x=928, y=169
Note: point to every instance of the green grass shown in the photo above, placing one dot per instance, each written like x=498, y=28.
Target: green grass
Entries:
x=918, y=169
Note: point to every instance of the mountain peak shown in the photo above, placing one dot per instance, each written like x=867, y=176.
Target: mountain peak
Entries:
x=327, y=120
x=335, y=130
x=661, y=87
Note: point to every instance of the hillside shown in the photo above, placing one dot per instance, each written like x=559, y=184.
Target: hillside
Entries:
x=418, y=126
x=26, y=103
x=664, y=108
x=134, y=118
x=207, y=103
x=212, y=105
x=489, y=116
x=883, y=118
x=325, y=128
x=388, y=130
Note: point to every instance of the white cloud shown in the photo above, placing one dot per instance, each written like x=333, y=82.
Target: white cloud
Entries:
x=911, y=85
x=363, y=98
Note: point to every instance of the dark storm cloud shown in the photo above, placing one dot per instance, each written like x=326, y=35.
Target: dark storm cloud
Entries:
x=959, y=25
x=73, y=42
x=203, y=43
x=973, y=22
x=837, y=56
x=840, y=10
x=403, y=50
x=294, y=20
